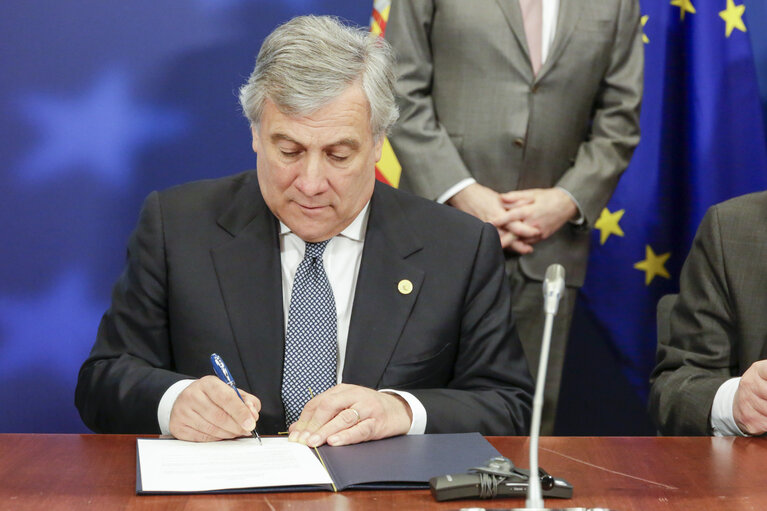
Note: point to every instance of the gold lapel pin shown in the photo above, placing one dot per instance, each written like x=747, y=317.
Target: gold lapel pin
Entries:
x=405, y=287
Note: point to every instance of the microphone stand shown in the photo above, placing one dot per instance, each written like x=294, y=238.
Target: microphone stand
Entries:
x=553, y=286
x=534, y=499
x=504, y=478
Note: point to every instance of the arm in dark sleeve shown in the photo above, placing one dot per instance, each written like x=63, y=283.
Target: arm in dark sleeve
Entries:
x=131, y=365
x=491, y=388
x=700, y=353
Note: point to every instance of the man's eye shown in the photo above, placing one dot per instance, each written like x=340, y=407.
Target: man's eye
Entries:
x=337, y=157
x=289, y=154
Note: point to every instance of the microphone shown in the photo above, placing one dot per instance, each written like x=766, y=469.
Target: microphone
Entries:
x=553, y=286
x=500, y=478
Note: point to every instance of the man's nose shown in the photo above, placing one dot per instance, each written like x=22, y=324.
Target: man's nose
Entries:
x=312, y=178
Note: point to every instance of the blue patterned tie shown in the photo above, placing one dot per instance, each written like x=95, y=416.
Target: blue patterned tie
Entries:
x=311, y=344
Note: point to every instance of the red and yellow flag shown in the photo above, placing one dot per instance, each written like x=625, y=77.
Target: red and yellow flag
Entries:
x=388, y=168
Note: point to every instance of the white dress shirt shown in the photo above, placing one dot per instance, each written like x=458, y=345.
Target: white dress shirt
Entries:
x=722, y=419
x=341, y=260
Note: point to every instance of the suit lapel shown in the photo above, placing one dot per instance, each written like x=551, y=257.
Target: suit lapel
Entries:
x=248, y=270
x=513, y=15
x=380, y=309
x=567, y=18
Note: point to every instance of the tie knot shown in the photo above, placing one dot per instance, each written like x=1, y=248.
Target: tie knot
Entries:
x=315, y=249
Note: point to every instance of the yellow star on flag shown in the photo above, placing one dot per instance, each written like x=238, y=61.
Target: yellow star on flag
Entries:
x=644, y=19
x=684, y=6
x=733, y=16
x=608, y=224
x=653, y=265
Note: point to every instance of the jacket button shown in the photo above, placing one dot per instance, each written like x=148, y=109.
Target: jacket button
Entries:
x=519, y=142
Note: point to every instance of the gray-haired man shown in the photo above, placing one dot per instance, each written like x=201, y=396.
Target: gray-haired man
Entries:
x=399, y=306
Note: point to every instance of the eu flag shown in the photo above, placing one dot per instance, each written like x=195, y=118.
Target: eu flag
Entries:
x=702, y=142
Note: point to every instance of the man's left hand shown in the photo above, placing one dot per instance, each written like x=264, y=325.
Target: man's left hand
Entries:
x=546, y=209
x=349, y=414
x=749, y=407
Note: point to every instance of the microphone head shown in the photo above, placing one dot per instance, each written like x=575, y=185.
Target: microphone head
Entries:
x=553, y=285
x=555, y=272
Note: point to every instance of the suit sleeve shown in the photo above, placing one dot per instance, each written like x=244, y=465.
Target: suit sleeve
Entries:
x=120, y=385
x=418, y=139
x=491, y=389
x=699, y=356
x=614, y=134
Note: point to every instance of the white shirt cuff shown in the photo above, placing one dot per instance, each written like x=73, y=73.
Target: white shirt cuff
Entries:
x=722, y=419
x=418, y=426
x=167, y=402
x=460, y=185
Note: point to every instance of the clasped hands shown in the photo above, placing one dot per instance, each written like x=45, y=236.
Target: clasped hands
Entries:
x=208, y=410
x=522, y=217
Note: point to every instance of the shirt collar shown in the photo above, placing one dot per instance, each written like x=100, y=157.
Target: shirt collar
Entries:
x=354, y=231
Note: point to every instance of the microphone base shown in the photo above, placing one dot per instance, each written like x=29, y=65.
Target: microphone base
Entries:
x=538, y=509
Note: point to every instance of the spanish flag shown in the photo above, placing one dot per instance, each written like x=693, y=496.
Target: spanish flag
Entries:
x=388, y=169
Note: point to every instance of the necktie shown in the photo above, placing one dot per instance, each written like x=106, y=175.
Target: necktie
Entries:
x=311, y=344
x=532, y=15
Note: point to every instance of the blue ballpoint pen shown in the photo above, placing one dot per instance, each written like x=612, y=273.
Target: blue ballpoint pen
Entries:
x=223, y=373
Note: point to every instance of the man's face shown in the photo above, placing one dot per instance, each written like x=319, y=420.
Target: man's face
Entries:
x=317, y=172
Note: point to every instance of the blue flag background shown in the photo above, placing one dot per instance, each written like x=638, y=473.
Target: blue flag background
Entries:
x=702, y=142
x=102, y=102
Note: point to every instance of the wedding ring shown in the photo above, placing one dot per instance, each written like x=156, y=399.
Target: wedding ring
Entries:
x=357, y=414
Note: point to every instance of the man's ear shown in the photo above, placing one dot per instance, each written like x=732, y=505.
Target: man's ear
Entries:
x=254, y=133
x=378, y=148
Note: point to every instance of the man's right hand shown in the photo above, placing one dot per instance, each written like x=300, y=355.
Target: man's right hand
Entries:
x=487, y=205
x=749, y=407
x=209, y=410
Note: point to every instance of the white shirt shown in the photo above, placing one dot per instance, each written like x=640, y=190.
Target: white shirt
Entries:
x=341, y=261
x=722, y=419
x=550, y=12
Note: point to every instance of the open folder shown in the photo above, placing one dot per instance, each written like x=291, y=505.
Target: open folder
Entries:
x=242, y=465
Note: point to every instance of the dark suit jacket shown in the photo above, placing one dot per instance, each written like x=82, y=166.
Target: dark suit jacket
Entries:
x=471, y=106
x=719, y=322
x=203, y=276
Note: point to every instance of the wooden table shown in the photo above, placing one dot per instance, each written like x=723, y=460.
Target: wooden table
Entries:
x=84, y=472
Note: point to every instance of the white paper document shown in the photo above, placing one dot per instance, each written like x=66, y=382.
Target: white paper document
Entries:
x=177, y=466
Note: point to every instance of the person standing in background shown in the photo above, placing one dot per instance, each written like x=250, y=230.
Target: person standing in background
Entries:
x=523, y=113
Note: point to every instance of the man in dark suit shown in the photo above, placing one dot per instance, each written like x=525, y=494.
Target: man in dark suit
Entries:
x=711, y=372
x=421, y=333
x=523, y=113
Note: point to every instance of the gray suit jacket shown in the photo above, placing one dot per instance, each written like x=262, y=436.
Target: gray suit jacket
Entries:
x=719, y=322
x=203, y=276
x=471, y=107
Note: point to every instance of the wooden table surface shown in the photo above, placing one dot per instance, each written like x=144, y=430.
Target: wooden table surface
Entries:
x=98, y=472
